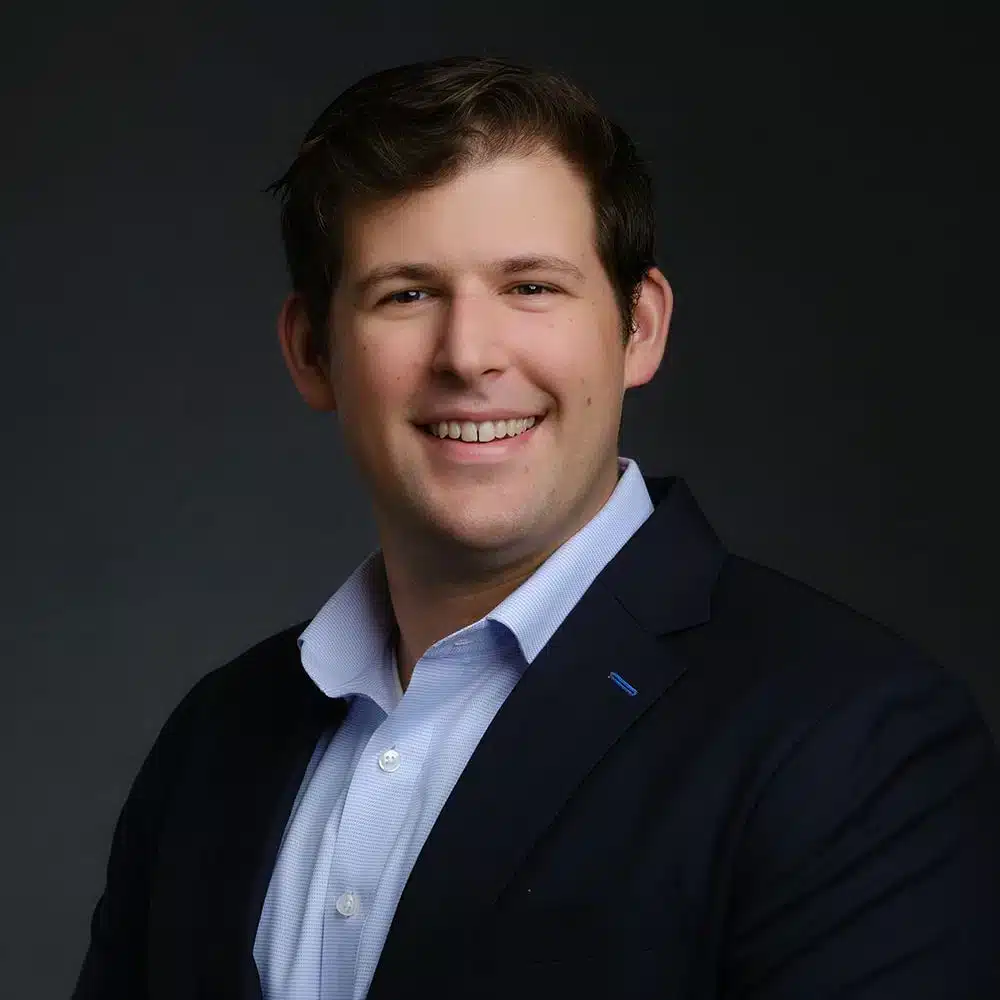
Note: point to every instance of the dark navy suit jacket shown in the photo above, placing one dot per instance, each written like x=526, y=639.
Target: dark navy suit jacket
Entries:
x=794, y=803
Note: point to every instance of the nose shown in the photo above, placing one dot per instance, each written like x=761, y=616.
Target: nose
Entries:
x=470, y=340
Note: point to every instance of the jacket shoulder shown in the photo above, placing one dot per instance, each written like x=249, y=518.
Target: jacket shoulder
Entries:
x=226, y=699
x=783, y=624
x=260, y=664
x=779, y=656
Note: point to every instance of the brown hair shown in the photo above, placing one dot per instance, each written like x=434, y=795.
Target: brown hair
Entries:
x=412, y=127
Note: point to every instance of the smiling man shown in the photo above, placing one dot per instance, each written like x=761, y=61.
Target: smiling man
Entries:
x=550, y=737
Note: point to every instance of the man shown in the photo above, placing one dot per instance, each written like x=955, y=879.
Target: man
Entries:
x=551, y=738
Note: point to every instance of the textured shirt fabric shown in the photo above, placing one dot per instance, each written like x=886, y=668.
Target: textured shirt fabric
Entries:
x=376, y=783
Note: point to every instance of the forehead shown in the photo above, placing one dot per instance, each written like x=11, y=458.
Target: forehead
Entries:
x=509, y=206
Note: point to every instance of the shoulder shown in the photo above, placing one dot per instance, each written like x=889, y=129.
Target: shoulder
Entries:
x=787, y=635
x=260, y=670
x=852, y=710
x=263, y=678
x=794, y=616
x=806, y=688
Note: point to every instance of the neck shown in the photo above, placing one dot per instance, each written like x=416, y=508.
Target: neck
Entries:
x=465, y=586
x=427, y=611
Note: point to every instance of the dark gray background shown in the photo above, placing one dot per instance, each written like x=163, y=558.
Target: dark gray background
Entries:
x=828, y=390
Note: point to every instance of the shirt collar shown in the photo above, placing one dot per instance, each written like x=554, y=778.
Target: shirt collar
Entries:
x=347, y=648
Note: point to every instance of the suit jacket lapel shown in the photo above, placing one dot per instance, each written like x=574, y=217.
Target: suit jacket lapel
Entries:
x=559, y=721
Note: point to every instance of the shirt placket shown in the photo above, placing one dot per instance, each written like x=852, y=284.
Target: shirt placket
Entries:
x=382, y=789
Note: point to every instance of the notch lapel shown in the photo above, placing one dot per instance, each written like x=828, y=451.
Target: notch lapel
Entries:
x=559, y=721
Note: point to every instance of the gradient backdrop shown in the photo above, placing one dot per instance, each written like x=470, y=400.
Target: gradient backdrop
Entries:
x=828, y=392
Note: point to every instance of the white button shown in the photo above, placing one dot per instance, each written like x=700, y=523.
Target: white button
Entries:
x=347, y=904
x=388, y=760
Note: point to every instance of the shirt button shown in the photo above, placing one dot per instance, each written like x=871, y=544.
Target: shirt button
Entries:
x=388, y=760
x=347, y=904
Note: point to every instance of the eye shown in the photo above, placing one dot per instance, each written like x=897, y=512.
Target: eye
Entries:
x=534, y=284
x=394, y=298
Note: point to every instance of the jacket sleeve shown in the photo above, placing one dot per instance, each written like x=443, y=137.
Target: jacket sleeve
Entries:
x=115, y=962
x=871, y=860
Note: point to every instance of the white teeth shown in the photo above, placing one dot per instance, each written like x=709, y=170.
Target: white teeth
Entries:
x=488, y=430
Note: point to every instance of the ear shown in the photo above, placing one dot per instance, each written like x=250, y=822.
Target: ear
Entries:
x=310, y=377
x=645, y=349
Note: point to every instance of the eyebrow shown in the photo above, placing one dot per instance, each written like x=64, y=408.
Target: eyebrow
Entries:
x=416, y=271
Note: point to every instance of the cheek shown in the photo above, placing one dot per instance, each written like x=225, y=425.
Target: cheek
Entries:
x=376, y=380
x=584, y=379
x=379, y=393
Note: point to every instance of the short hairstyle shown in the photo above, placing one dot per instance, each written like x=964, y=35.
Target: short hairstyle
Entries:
x=412, y=127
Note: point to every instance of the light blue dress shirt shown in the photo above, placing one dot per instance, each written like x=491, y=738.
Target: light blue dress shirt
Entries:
x=376, y=783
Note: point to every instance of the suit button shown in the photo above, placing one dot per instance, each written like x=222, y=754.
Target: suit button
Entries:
x=347, y=904
x=388, y=760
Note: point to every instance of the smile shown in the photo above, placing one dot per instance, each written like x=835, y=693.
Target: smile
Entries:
x=466, y=449
x=483, y=432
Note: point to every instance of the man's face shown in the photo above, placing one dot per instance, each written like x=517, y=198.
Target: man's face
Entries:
x=468, y=342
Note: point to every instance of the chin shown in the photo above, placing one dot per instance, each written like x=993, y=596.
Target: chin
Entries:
x=498, y=530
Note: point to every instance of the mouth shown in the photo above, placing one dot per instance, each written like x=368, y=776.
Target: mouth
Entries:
x=498, y=433
x=455, y=452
